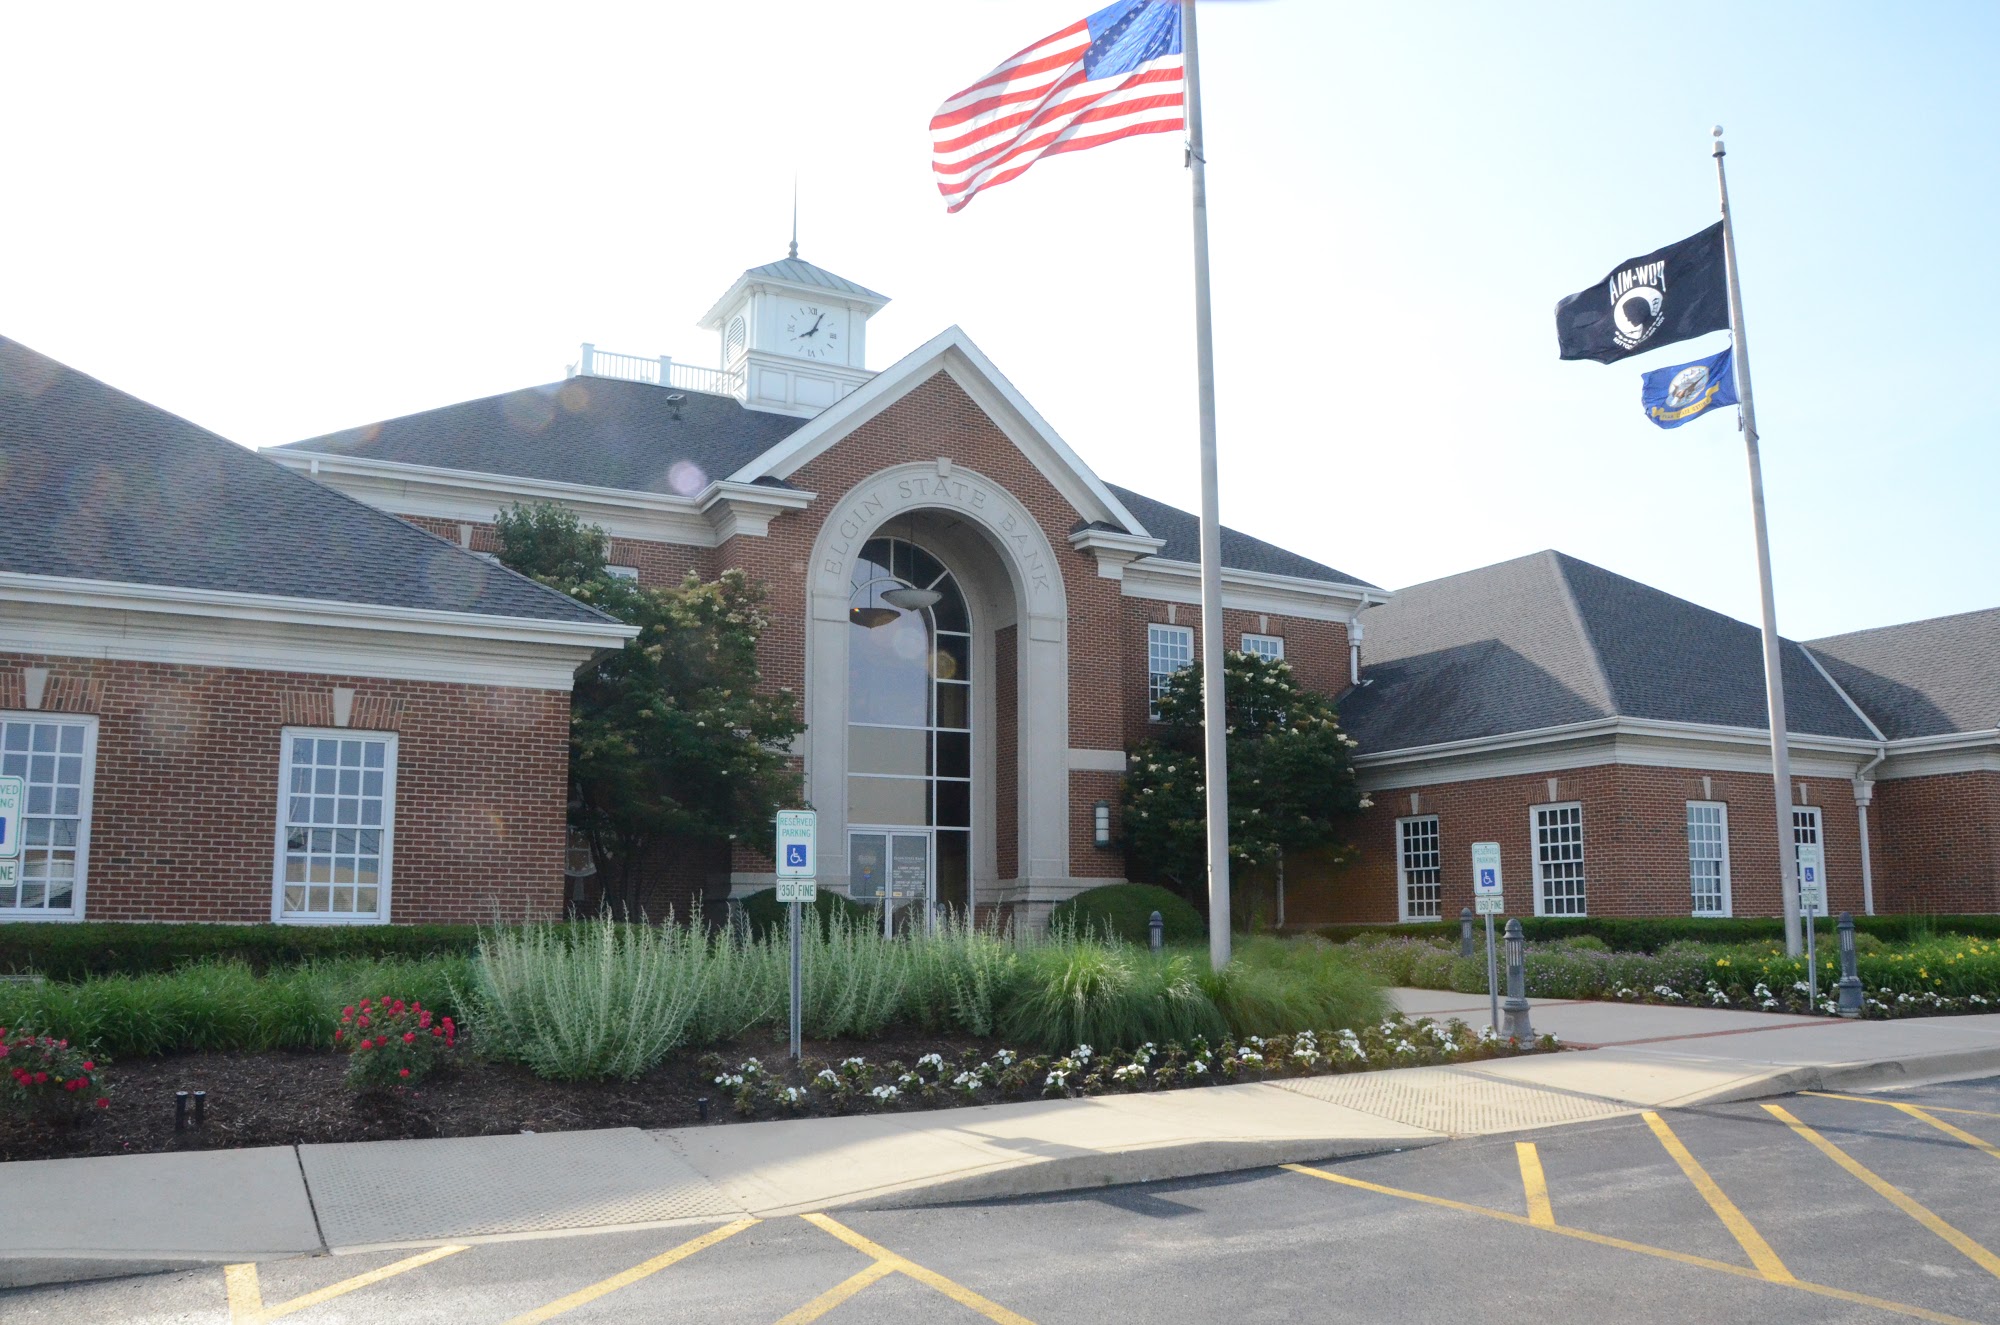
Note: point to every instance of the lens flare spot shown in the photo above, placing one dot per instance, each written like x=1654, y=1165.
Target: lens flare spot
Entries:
x=686, y=478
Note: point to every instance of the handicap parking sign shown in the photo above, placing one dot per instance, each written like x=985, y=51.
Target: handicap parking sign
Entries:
x=795, y=854
x=1486, y=879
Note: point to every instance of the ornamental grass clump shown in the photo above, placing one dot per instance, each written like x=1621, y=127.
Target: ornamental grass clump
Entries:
x=588, y=1000
x=1081, y=987
x=1273, y=987
x=47, y=1078
x=393, y=1043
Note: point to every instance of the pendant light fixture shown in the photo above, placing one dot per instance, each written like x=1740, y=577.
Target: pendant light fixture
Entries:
x=909, y=597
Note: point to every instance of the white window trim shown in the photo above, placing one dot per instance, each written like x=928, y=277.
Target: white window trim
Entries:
x=1728, y=899
x=1818, y=817
x=87, y=795
x=1278, y=640
x=391, y=758
x=1184, y=632
x=1535, y=854
x=630, y=573
x=1402, y=877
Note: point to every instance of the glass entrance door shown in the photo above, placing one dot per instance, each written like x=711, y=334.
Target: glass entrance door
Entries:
x=892, y=866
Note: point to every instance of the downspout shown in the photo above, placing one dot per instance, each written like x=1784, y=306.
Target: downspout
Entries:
x=1864, y=795
x=1354, y=642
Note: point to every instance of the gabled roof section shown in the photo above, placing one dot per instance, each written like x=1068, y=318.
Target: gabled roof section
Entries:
x=1548, y=640
x=595, y=431
x=952, y=352
x=1936, y=677
x=102, y=486
x=1180, y=533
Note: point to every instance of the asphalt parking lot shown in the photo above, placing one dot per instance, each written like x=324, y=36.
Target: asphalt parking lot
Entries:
x=1809, y=1208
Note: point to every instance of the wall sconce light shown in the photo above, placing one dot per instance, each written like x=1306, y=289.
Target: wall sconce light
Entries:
x=1102, y=818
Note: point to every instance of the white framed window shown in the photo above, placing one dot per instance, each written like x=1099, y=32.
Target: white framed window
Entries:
x=1169, y=649
x=336, y=827
x=1265, y=646
x=1419, y=867
x=1559, y=885
x=1806, y=832
x=55, y=756
x=622, y=572
x=1708, y=857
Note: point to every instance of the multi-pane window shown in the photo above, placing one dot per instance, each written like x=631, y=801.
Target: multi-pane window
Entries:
x=623, y=573
x=1265, y=646
x=339, y=799
x=54, y=757
x=1419, y=865
x=1559, y=860
x=1708, y=857
x=1806, y=833
x=1168, y=650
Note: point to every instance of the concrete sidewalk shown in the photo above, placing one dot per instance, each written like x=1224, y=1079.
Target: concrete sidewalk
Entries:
x=86, y=1218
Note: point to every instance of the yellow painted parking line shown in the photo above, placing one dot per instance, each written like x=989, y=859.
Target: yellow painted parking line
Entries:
x=246, y=1297
x=1747, y=1237
x=1872, y=1099
x=1955, y=1133
x=838, y=1294
x=1534, y=1185
x=957, y=1292
x=583, y=1296
x=1663, y=1253
x=1895, y=1196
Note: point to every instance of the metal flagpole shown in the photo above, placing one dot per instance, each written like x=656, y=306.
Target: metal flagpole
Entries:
x=1774, y=673
x=1213, y=708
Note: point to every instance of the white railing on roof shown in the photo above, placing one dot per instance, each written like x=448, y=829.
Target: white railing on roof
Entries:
x=661, y=371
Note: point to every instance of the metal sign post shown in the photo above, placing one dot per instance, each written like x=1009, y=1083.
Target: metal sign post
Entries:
x=1812, y=901
x=1488, y=900
x=798, y=872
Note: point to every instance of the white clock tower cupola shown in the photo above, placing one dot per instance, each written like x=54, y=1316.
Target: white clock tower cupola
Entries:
x=794, y=335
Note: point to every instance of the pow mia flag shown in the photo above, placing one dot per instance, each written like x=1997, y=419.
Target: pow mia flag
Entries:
x=1671, y=294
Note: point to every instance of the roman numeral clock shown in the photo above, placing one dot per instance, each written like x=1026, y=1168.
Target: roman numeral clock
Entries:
x=794, y=335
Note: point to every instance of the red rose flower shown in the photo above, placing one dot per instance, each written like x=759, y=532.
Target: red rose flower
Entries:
x=403, y=1072
x=103, y=1102
x=89, y=1066
x=336, y=1036
x=409, y=1037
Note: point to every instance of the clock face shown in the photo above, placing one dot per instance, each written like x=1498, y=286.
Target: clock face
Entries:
x=813, y=332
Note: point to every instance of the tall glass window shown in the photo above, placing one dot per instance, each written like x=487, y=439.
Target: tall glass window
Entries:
x=1420, y=866
x=1559, y=885
x=339, y=814
x=1708, y=857
x=909, y=707
x=1168, y=650
x=53, y=757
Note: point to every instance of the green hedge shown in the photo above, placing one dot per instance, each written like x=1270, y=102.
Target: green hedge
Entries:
x=1127, y=910
x=1651, y=933
x=76, y=952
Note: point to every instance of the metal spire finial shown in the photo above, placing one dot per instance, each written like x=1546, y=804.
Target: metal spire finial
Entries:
x=795, y=213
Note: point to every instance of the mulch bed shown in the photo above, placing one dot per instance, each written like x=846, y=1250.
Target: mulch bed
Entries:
x=274, y=1099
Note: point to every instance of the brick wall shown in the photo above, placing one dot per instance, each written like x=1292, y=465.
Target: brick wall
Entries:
x=183, y=820
x=1937, y=843
x=1317, y=651
x=1635, y=844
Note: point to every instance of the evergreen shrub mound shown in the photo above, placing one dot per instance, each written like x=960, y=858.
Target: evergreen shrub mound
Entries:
x=78, y=952
x=1651, y=933
x=767, y=915
x=1126, y=909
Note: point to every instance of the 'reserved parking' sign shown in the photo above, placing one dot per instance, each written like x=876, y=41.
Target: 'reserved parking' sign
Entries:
x=13, y=792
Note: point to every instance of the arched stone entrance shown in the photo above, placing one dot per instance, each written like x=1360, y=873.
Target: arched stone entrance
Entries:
x=1016, y=661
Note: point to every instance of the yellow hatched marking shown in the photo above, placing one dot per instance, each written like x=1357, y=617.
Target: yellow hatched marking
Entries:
x=583, y=1296
x=1894, y=1195
x=839, y=1293
x=1897, y=1104
x=1956, y=1133
x=957, y=1292
x=246, y=1299
x=1740, y=1228
x=1584, y=1235
x=1534, y=1185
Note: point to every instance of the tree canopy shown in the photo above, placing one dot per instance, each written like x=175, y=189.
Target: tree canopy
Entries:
x=674, y=735
x=1291, y=775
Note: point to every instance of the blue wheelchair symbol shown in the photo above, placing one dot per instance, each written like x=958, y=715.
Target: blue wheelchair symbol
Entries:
x=1486, y=878
x=795, y=855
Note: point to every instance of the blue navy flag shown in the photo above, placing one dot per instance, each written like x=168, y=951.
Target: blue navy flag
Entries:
x=1686, y=391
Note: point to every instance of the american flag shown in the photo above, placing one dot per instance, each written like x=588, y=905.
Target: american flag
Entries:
x=1106, y=77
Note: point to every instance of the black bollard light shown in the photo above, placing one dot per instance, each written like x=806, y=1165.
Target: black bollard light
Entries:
x=1158, y=928
x=200, y=1108
x=180, y=1110
x=1465, y=932
x=701, y=1108
x=1514, y=1012
x=1848, y=991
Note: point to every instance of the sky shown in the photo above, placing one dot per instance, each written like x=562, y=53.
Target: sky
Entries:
x=280, y=220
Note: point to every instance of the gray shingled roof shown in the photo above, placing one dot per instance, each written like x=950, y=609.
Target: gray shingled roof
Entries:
x=597, y=431
x=1182, y=533
x=800, y=272
x=102, y=486
x=1923, y=678
x=1547, y=640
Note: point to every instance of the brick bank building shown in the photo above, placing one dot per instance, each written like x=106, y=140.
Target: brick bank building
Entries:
x=974, y=622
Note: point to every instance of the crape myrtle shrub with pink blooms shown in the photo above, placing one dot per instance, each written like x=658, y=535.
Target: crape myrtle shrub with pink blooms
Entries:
x=47, y=1077
x=392, y=1043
